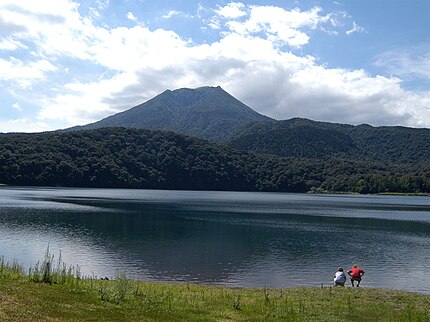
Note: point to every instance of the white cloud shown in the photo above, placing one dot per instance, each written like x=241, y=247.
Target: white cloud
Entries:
x=54, y=27
x=11, y=44
x=355, y=28
x=102, y=4
x=24, y=73
x=16, y=106
x=23, y=125
x=131, y=16
x=214, y=24
x=286, y=27
x=408, y=63
x=171, y=14
x=232, y=10
x=82, y=103
x=94, y=13
x=174, y=13
x=130, y=49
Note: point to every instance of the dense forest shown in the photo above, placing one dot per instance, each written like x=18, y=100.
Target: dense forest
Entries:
x=137, y=158
x=305, y=138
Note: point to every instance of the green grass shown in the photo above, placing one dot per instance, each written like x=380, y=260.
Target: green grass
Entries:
x=25, y=297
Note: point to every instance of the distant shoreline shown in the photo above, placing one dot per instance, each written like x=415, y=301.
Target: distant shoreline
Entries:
x=412, y=194
x=419, y=194
x=319, y=192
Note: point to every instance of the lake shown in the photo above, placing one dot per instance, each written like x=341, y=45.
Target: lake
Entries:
x=245, y=239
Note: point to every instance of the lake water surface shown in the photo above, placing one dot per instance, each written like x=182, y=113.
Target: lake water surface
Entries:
x=246, y=239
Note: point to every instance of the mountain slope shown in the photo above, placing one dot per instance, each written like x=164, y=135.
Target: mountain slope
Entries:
x=396, y=144
x=305, y=138
x=206, y=112
x=292, y=138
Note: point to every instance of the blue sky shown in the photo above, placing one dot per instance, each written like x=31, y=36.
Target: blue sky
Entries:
x=64, y=62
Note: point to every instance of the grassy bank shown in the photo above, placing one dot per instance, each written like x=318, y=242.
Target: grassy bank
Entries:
x=55, y=294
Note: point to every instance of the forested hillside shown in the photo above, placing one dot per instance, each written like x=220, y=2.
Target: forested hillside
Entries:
x=292, y=138
x=132, y=158
x=305, y=138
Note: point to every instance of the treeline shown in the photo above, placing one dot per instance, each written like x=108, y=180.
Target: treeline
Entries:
x=131, y=158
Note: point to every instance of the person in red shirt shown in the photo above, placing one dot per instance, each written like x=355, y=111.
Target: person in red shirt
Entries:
x=356, y=273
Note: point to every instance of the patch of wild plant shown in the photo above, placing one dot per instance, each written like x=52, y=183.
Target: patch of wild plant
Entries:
x=122, y=287
x=54, y=272
x=117, y=290
x=13, y=268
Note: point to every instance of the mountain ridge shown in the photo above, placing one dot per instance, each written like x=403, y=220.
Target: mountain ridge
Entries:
x=299, y=137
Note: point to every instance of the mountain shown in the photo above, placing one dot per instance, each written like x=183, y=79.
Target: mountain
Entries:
x=213, y=114
x=206, y=112
x=310, y=139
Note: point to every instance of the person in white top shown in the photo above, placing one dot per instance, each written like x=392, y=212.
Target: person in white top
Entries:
x=339, y=277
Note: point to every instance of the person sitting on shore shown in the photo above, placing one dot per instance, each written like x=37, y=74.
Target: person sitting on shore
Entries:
x=356, y=273
x=339, y=277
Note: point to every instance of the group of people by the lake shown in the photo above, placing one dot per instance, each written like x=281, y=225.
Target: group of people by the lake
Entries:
x=355, y=273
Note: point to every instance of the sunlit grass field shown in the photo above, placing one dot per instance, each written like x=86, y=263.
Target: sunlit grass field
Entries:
x=52, y=292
